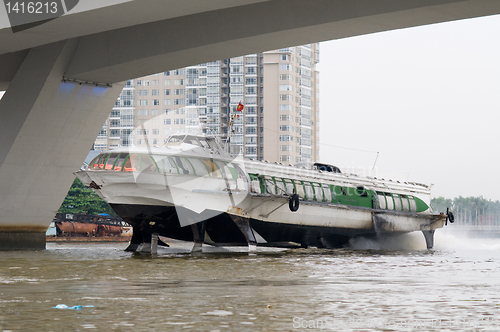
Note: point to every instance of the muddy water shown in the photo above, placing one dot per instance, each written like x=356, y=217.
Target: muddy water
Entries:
x=454, y=287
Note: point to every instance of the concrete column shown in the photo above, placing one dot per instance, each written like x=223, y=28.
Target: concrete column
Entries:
x=46, y=129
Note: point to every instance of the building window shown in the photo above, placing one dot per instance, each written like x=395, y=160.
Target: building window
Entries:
x=155, y=92
x=285, y=87
x=167, y=121
x=156, y=102
x=286, y=66
x=286, y=128
x=286, y=138
x=286, y=118
x=155, y=112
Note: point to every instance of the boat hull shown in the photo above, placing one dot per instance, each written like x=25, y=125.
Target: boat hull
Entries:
x=221, y=229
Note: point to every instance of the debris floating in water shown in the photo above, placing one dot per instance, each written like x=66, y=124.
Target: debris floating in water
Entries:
x=75, y=307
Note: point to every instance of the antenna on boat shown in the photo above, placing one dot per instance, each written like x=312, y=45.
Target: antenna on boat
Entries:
x=376, y=158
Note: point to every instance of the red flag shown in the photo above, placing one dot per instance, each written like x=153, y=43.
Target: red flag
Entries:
x=240, y=107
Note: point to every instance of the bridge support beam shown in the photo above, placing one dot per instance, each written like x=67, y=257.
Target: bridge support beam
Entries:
x=47, y=127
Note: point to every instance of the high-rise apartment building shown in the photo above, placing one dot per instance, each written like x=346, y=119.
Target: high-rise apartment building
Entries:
x=279, y=123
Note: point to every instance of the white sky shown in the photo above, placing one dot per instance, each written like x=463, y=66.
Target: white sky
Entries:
x=426, y=98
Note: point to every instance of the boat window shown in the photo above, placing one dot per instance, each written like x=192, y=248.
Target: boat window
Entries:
x=199, y=167
x=280, y=186
x=166, y=165
x=211, y=143
x=319, y=192
x=309, y=191
x=381, y=200
x=233, y=170
x=212, y=168
x=131, y=163
x=334, y=194
x=413, y=204
x=327, y=193
x=289, y=186
x=227, y=173
x=390, y=201
x=176, y=139
x=119, y=162
x=148, y=164
x=203, y=143
x=94, y=164
x=406, y=204
x=110, y=161
x=255, y=186
x=183, y=165
x=271, y=187
x=102, y=161
x=191, y=140
x=299, y=187
x=241, y=180
x=397, y=202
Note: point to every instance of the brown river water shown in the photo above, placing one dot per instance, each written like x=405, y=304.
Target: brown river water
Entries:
x=396, y=285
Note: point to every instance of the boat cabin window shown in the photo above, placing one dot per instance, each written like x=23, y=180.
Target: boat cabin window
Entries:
x=211, y=143
x=235, y=170
x=94, y=164
x=199, y=167
x=212, y=168
x=119, y=161
x=111, y=161
x=299, y=187
x=327, y=193
x=289, y=186
x=271, y=187
x=381, y=200
x=309, y=191
x=131, y=163
x=406, y=204
x=390, y=201
x=280, y=186
x=189, y=139
x=255, y=184
x=166, y=165
x=319, y=192
x=222, y=166
x=102, y=161
x=176, y=139
x=148, y=164
x=413, y=204
x=397, y=202
x=183, y=165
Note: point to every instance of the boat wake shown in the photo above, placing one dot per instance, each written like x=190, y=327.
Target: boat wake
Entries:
x=410, y=241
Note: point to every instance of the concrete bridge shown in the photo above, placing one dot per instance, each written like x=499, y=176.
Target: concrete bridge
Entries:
x=62, y=77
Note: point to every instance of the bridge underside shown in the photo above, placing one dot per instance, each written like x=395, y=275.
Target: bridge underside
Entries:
x=47, y=126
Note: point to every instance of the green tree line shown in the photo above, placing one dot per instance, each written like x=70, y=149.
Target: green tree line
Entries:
x=469, y=210
x=81, y=199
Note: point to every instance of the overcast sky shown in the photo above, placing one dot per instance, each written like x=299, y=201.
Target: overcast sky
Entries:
x=426, y=98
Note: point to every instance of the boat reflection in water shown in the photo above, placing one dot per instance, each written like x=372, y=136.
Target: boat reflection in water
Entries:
x=191, y=189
